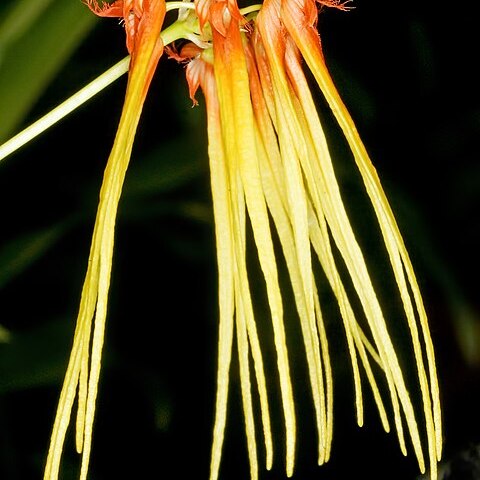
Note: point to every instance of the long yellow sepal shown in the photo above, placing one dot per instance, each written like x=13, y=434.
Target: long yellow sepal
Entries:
x=83, y=369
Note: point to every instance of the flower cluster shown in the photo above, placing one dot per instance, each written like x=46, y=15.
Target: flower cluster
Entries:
x=270, y=168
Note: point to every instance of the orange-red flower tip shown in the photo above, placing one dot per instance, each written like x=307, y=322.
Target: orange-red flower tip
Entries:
x=114, y=9
x=129, y=10
x=338, y=4
x=195, y=70
x=218, y=13
x=133, y=13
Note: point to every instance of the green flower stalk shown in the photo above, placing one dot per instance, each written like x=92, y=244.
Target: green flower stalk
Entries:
x=270, y=167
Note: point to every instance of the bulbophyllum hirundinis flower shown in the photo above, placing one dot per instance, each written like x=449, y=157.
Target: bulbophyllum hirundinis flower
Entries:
x=269, y=158
x=143, y=21
x=271, y=172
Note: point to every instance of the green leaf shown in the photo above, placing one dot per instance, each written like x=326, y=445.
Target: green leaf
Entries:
x=17, y=255
x=18, y=19
x=35, y=358
x=4, y=335
x=36, y=39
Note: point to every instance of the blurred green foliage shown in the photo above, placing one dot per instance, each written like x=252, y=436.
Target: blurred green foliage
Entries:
x=417, y=106
x=36, y=39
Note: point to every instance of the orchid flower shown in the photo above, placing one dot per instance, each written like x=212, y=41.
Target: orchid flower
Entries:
x=271, y=168
x=145, y=46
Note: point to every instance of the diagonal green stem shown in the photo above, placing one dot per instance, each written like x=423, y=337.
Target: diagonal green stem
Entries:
x=68, y=106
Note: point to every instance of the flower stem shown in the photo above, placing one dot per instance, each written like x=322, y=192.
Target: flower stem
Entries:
x=176, y=30
x=250, y=9
x=65, y=108
x=179, y=5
